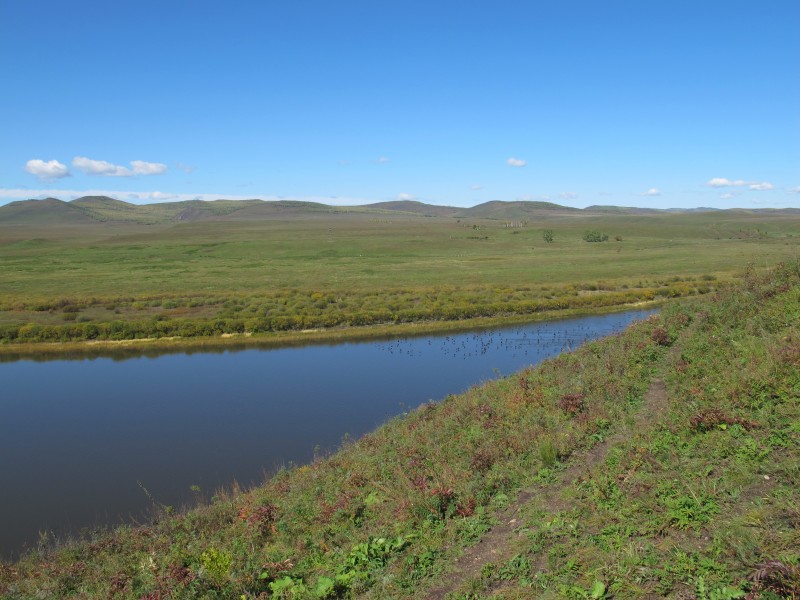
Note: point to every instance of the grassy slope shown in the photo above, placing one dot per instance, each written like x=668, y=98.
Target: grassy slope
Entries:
x=686, y=500
x=320, y=265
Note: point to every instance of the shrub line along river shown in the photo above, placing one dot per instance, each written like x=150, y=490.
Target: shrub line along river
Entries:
x=77, y=435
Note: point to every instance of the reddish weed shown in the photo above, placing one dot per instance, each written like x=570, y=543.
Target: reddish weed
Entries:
x=712, y=417
x=466, y=509
x=661, y=336
x=273, y=569
x=572, y=403
x=261, y=517
x=482, y=461
x=776, y=577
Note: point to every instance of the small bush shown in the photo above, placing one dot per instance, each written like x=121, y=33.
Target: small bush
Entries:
x=595, y=236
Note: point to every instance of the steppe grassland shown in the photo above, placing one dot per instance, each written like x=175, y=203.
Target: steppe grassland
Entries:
x=365, y=268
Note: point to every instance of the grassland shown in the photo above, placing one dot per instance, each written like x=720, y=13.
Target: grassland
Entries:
x=97, y=269
x=662, y=462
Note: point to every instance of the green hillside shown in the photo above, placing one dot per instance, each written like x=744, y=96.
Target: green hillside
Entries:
x=49, y=212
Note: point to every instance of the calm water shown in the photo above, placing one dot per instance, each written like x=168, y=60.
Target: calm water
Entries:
x=77, y=435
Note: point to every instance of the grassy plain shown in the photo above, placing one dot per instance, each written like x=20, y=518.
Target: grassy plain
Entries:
x=661, y=462
x=115, y=273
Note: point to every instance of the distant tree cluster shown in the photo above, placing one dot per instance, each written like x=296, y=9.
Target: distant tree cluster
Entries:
x=595, y=236
x=547, y=236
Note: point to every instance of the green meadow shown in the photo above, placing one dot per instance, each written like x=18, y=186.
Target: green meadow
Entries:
x=99, y=269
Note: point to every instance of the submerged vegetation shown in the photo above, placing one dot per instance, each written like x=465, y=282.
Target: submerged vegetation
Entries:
x=663, y=461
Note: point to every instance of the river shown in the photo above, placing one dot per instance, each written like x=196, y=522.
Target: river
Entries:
x=77, y=436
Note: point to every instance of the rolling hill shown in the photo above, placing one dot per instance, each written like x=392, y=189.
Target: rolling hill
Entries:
x=102, y=209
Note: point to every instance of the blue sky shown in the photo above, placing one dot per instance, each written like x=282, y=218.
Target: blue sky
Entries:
x=637, y=103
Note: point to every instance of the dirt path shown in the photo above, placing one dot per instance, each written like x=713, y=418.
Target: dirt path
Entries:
x=496, y=543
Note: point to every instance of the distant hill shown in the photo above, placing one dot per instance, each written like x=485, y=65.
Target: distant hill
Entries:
x=102, y=209
x=690, y=210
x=621, y=210
x=497, y=209
x=264, y=209
x=420, y=208
x=49, y=211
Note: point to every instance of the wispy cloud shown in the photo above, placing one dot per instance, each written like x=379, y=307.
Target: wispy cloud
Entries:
x=568, y=196
x=758, y=186
x=404, y=196
x=382, y=160
x=161, y=196
x=723, y=182
x=141, y=167
x=727, y=196
x=651, y=192
x=475, y=187
x=794, y=190
x=47, y=170
x=107, y=169
x=516, y=162
x=100, y=167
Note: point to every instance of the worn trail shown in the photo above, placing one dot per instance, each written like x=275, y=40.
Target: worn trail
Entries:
x=496, y=545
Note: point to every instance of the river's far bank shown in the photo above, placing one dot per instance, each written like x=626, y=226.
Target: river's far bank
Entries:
x=242, y=341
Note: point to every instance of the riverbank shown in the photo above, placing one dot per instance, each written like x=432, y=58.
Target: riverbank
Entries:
x=243, y=341
x=697, y=499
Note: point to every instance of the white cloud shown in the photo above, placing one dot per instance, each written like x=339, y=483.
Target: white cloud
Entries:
x=794, y=190
x=758, y=186
x=651, y=192
x=727, y=196
x=516, y=162
x=568, y=196
x=382, y=160
x=47, y=171
x=184, y=168
x=404, y=196
x=100, y=167
x=476, y=187
x=723, y=182
x=107, y=169
x=141, y=167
